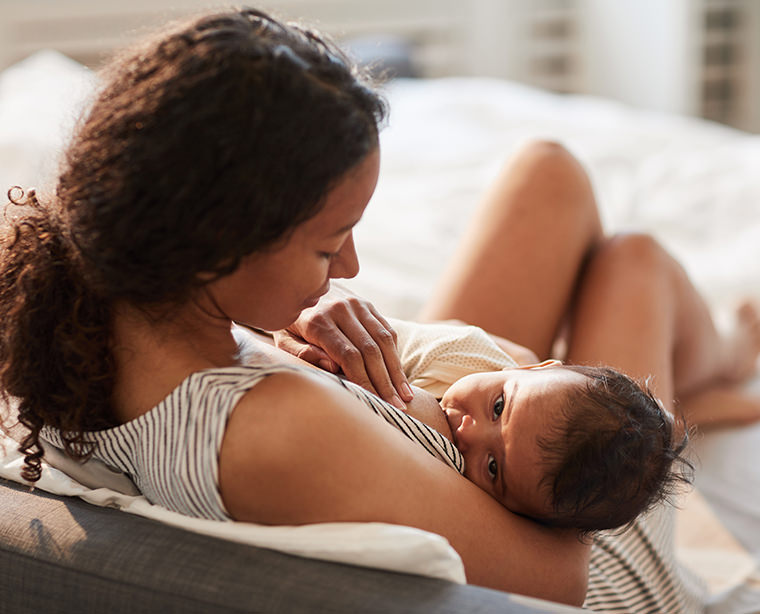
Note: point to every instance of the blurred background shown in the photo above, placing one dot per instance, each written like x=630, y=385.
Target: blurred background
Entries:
x=693, y=57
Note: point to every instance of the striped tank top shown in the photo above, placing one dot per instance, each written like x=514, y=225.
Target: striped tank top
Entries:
x=171, y=452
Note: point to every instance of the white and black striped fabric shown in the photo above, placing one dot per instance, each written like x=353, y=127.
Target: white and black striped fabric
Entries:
x=635, y=572
x=171, y=452
x=430, y=439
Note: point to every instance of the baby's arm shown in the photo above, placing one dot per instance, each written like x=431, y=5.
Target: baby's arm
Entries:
x=519, y=353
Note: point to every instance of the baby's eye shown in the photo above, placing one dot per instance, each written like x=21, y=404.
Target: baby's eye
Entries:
x=498, y=407
x=493, y=467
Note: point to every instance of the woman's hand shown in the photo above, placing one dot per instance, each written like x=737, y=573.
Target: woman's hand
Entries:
x=345, y=333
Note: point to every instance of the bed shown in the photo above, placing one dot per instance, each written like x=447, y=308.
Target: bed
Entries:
x=690, y=183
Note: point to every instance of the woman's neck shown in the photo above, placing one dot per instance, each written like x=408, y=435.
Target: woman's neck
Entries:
x=154, y=355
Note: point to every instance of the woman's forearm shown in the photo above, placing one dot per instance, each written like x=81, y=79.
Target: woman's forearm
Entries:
x=341, y=464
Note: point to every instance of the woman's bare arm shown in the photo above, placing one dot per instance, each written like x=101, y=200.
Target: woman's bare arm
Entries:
x=300, y=450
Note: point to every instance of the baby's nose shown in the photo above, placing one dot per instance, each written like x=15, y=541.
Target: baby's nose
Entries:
x=466, y=433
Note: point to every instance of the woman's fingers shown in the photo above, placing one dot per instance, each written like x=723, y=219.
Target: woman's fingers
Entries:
x=354, y=337
x=387, y=343
x=376, y=358
x=360, y=345
x=285, y=340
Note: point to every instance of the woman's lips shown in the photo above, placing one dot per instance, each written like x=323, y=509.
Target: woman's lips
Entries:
x=311, y=301
x=314, y=299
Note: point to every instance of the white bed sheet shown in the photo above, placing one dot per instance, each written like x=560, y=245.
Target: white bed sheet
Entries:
x=691, y=183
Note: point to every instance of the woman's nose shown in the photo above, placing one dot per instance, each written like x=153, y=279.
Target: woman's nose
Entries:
x=346, y=264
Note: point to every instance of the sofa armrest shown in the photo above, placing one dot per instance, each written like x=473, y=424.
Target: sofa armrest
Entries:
x=60, y=554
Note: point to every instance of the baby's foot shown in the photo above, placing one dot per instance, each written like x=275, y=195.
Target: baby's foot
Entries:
x=742, y=344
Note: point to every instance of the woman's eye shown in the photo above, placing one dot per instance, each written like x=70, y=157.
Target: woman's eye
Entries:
x=498, y=407
x=493, y=467
x=328, y=255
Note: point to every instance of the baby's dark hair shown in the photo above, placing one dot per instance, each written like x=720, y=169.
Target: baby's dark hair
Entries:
x=209, y=141
x=615, y=455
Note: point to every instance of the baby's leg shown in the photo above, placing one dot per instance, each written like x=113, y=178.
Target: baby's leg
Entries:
x=515, y=271
x=638, y=311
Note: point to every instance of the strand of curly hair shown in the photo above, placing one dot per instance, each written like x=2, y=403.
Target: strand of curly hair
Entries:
x=53, y=327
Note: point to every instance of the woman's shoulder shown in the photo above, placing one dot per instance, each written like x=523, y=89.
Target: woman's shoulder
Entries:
x=286, y=430
x=211, y=391
x=315, y=436
x=237, y=376
x=274, y=387
x=234, y=379
x=221, y=391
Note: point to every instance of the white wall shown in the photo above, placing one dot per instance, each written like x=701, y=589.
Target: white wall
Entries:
x=641, y=52
x=497, y=38
x=748, y=111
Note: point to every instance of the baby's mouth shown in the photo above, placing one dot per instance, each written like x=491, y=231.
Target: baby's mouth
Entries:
x=454, y=419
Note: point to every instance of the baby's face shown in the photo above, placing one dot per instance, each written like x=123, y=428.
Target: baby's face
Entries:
x=496, y=420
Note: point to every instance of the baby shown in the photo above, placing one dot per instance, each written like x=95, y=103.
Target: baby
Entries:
x=570, y=446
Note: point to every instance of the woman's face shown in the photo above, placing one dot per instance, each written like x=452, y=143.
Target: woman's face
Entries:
x=270, y=288
x=496, y=420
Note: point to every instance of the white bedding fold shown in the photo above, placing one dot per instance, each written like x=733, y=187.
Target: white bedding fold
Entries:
x=378, y=545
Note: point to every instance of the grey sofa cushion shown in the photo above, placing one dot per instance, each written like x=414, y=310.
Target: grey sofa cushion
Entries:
x=64, y=555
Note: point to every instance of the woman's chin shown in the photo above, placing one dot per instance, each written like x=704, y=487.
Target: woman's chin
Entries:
x=310, y=302
x=279, y=322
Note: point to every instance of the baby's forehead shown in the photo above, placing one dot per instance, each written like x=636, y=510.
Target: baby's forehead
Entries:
x=565, y=388
x=566, y=377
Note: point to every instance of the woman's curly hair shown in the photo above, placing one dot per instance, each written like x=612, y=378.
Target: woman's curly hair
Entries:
x=207, y=142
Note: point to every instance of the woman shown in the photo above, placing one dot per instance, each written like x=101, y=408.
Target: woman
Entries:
x=216, y=179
